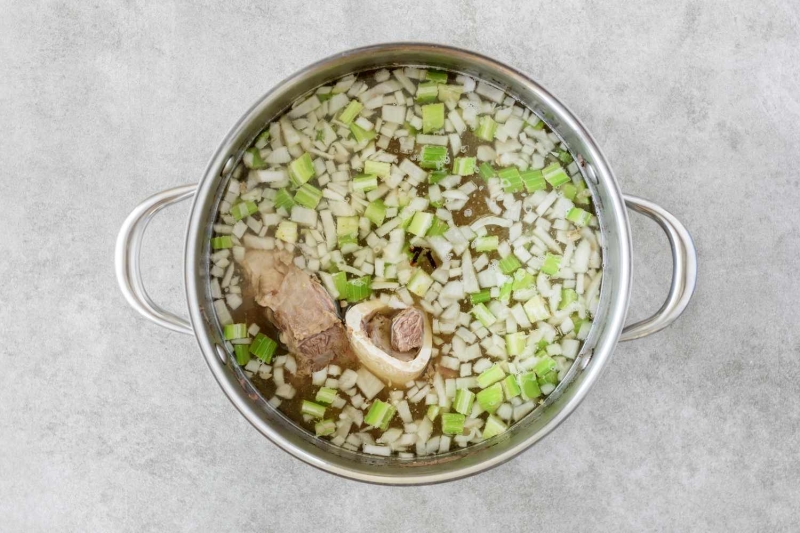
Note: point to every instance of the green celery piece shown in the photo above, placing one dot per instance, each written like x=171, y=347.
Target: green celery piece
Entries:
x=376, y=212
x=486, y=171
x=241, y=353
x=325, y=427
x=301, y=170
x=284, y=199
x=480, y=297
x=234, y=331
x=482, y=313
x=494, y=426
x=365, y=183
x=549, y=378
x=462, y=403
x=433, y=157
x=420, y=223
x=491, y=376
x=511, y=179
x=432, y=117
x=340, y=282
x=377, y=168
x=529, y=385
x=490, y=398
x=262, y=140
x=522, y=280
x=436, y=176
x=533, y=180
x=453, y=423
x=511, y=387
x=544, y=366
x=565, y=157
x=256, y=162
x=436, y=76
x=486, y=128
x=312, y=409
x=380, y=415
x=362, y=135
x=569, y=191
x=427, y=92
x=263, y=347
x=509, y=264
x=567, y=297
x=325, y=395
x=221, y=242
x=359, y=289
x=439, y=227
x=449, y=93
x=486, y=244
x=350, y=112
x=308, y=196
x=578, y=216
x=551, y=264
x=243, y=209
x=554, y=175
x=505, y=292
x=464, y=166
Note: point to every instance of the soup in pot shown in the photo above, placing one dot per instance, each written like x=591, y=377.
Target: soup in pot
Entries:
x=406, y=262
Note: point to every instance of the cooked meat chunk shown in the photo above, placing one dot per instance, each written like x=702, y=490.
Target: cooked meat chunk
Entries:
x=379, y=328
x=299, y=306
x=265, y=269
x=407, y=330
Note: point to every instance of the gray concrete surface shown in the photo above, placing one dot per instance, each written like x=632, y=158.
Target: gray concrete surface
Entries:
x=110, y=424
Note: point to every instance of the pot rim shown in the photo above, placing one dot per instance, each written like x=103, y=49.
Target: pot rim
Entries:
x=603, y=348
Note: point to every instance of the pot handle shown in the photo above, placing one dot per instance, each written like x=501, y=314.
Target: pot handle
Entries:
x=684, y=270
x=129, y=247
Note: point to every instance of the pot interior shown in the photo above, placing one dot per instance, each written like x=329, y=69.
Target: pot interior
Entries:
x=594, y=354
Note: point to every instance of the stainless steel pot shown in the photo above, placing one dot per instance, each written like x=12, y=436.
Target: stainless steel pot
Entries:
x=595, y=355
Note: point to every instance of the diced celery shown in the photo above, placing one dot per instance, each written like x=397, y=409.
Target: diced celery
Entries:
x=482, y=313
x=535, y=309
x=436, y=176
x=340, y=282
x=533, y=180
x=301, y=170
x=347, y=230
x=464, y=166
x=569, y=191
x=579, y=216
x=555, y=175
x=494, y=426
x=490, y=398
x=243, y=210
x=565, y=157
x=433, y=157
x=263, y=347
x=480, y=297
x=550, y=378
x=486, y=128
x=427, y=92
x=486, y=244
x=241, y=354
x=420, y=282
x=462, y=403
x=262, y=139
x=505, y=292
x=551, y=264
x=308, y=196
x=433, y=412
x=522, y=280
x=421, y=223
x=379, y=415
x=510, y=179
x=362, y=135
x=350, y=112
x=567, y=297
x=312, y=409
x=365, y=183
x=377, y=168
x=453, y=423
x=491, y=376
x=287, y=231
x=509, y=264
x=511, y=387
x=219, y=243
x=359, y=289
x=432, y=117
x=325, y=395
x=235, y=331
x=326, y=427
x=544, y=366
x=515, y=343
x=530, y=386
x=439, y=227
x=284, y=199
x=376, y=212
x=486, y=171
x=450, y=93
x=436, y=76
x=252, y=159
